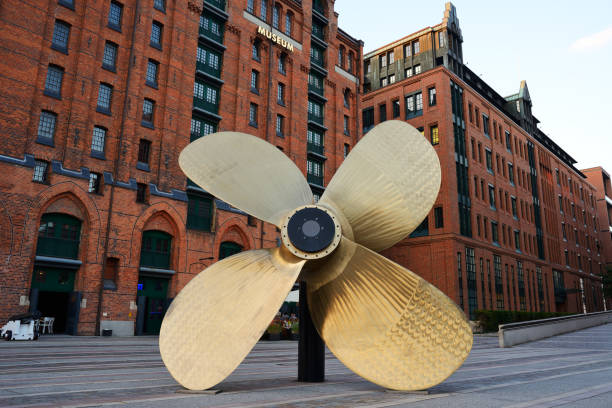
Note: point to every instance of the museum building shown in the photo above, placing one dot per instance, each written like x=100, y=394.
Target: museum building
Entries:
x=516, y=226
x=100, y=228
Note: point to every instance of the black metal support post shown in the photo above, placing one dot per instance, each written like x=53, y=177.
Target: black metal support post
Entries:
x=311, y=349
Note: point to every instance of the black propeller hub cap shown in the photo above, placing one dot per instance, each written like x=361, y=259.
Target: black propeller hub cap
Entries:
x=311, y=229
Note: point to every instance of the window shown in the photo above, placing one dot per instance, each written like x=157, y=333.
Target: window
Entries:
x=407, y=50
x=511, y=173
x=208, y=61
x=148, y=107
x=288, y=24
x=46, y=127
x=141, y=193
x=414, y=105
x=160, y=5
x=40, y=171
x=61, y=34
x=53, y=83
x=408, y=72
x=560, y=204
x=477, y=116
x=253, y=115
x=144, y=148
x=422, y=230
x=489, y=159
x=97, y=141
x=432, y=96
x=508, y=142
x=558, y=178
x=255, y=50
x=151, y=76
x=564, y=231
x=390, y=57
x=349, y=65
x=440, y=39
x=276, y=16
x=346, y=95
x=346, y=126
x=105, y=93
x=111, y=273
x=517, y=240
x=279, y=125
x=109, y=59
x=341, y=56
x=314, y=140
x=251, y=6
x=396, y=108
x=513, y=202
x=417, y=69
x=383, y=82
x=114, y=15
x=382, y=112
x=94, y=182
x=391, y=79
x=263, y=12
x=347, y=149
x=438, y=217
x=282, y=63
x=492, y=196
x=485, y=125
x=415, y=47
x=382, y=61
x=201, y=127
x=156, y=34
x=435, y=137
x=314, y=172
x=315, y=111
x=67, y=3
x=211, y=27
x=199, y=211
x=494, y=232
x=367, y=119
x=280, y=94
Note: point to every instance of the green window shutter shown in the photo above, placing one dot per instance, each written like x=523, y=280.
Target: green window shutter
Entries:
x=156, y=249
x=59, y=236
x=199, y=212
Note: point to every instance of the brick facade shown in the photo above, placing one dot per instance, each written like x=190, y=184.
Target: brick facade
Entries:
x=112, y=222
x=482, y=228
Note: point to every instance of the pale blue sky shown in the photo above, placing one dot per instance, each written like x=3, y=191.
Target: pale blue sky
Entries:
x=563, y=50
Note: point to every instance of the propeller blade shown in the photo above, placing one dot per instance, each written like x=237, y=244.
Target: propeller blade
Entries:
x=387, y=184
x=384, y=322
x=248, y=173
x=218, y=317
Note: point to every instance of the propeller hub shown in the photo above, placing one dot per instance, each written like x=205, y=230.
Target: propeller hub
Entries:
x=311, y=232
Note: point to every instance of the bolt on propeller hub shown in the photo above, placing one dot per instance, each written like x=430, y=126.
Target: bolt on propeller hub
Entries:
x=311, y=232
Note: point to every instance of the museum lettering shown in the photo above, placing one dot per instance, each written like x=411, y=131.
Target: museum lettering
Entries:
x=275, y=38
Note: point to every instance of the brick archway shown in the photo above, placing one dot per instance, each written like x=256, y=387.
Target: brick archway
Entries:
x=233, y=230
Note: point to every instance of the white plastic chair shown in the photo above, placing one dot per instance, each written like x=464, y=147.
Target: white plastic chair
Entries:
x=46, y=325
x=51, y=321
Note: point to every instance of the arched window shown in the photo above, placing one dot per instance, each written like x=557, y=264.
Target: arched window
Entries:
x=59, y=236
x=347, y=98
x=228, y=248
x=156, y=249
x=251, y=6
x=276, y=15
x=288, y=23
x=341, y=56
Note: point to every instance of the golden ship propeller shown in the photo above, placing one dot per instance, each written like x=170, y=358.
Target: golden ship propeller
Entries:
x=380, y=319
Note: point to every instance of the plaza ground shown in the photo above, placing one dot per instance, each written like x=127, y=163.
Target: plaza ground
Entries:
x=572, y=370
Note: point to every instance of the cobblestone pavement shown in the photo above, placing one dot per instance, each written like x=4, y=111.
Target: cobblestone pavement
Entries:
x=573, y=370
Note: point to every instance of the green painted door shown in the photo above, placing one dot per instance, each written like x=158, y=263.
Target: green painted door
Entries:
x=155, y=290
x=228, y=249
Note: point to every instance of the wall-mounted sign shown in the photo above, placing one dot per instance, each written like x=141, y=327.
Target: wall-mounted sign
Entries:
x=275, y=38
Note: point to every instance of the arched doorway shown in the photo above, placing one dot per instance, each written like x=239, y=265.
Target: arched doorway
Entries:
x=229, y=248
x=153, y=279
x=52, y=289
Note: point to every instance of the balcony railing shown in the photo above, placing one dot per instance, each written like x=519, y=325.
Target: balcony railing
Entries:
x=57, y=247
x=316, y=89
x=318, y=180
x=207, y=106
x=315, y=119
x=203, y=67
x=220, y=4
x=316, y=148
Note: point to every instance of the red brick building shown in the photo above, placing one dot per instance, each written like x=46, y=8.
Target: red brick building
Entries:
x=100, y=228
x=515, y=226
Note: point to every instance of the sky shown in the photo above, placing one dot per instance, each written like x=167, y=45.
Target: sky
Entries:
x=563, y=50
